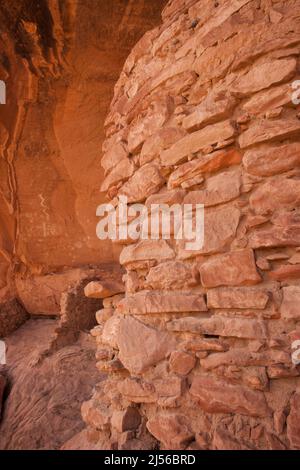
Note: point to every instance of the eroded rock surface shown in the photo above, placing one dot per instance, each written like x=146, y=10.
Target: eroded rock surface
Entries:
x=60, y=61
x=204, y=112
x=198, y=349
x=42, y=409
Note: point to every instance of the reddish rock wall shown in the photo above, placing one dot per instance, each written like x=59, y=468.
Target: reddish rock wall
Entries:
x=44, y=394
x=199, y=350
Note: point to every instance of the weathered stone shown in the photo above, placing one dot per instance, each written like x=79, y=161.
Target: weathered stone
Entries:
x=171, y=430
x=12, y=316
x=149, y=302
x=221, y=326
x=220, y=226
x=231, y=269
x=216, y=396
x=112, y=302
x=104, y=354
x=141, y=346
x=256, y=220
x=219, y=189
x=272, y=161
x=266, y=314
x=237, y=297
x=233, y=45
x=285, y=272
x=174, y=196
x=212, y=109
x=127, y=441
x=59, y=169
x=294, y=335
x=293, y=421
x=148, y=125
x=242, y=357
x=145, y=181
x=171, y=275
x=265, y=130
x=160, y=141
x=175, y=71
x=275, y=237
x=182, y=363
x=287, y=219
x=120, y=173
x=279, y=193
x=274, y=113
x=263, y=264
x=192, y=182
x=295, y=259
x=172, y=74
x=95, y=414
x=240, y=54
x=212, y=24
x=263, y=76
x=290, y=307
x=172, y=30
x=101, y=290
x=126, y=420
x=133, y=282
x=168, y=390
x=164, y=391
x=113, y=156
x=205, y=344
x=110, y=366
x=137, y=390
x=205, y=164
x=111, y=331
x=253, y=377
x=2, y=387
x=103, y=315
x=41, y=295
x=269, y=99
x=96, y=331
x=281, y=371
x=277, y=256
x=279, y=421
x=196, y=141
x=223, y=440
x=158, y=250
x=273, y=442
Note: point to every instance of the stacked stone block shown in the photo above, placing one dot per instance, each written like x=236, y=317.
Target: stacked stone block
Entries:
x=198, y=350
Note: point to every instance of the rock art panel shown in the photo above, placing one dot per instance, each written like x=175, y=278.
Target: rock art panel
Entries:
x=200, y=341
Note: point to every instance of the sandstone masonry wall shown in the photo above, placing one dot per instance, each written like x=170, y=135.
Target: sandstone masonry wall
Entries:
x=198, y=351
x=60, y=61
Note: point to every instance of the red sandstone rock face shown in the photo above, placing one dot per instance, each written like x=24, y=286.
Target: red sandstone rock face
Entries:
x=293, y=422
x=42, y=410
x=60, y=62
x=200, y=344
x=216, y=396
x=12, y=316
x=198, y=350
x=2, y=387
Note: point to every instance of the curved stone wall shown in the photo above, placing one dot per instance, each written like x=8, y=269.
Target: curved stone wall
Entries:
x=199, y=351
x=60, y=60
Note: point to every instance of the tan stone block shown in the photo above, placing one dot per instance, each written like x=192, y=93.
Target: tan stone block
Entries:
x=196, y=141
x=141, y=346
x=237, y=268
x=217, y=396
x=182, y=363
x=151, y=302
x=238, y=297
